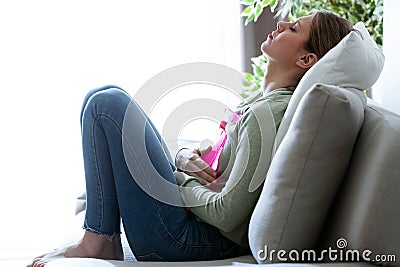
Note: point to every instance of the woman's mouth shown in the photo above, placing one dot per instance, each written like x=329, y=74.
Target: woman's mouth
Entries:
x=270, y=36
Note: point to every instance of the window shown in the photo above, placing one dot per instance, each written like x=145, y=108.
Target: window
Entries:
x=52, y=53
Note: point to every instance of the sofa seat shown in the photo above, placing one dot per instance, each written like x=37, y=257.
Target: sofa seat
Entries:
x=238, y=261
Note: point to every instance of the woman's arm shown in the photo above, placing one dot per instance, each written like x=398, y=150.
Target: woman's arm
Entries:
x=234, y=203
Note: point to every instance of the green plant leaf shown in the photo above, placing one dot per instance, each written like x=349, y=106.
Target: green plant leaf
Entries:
x=247, y=83
x=247, y=11
x=293, y=11
x=273, y=5
x=359, y=8
x=249, y=19
x=247, y=2
x=259, y=9
x=265, y=3
x=249, y=76
x=259, y=71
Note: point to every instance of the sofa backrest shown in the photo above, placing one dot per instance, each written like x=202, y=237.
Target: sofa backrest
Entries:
x=366, y=209
x=306, y=172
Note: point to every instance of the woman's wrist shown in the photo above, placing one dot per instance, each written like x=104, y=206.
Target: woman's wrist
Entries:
x=177, y=162
x=181, y=161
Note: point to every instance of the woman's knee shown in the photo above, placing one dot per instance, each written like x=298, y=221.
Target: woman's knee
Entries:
x=98, y=90
x=112, y=101
x=95, y=91
x=110, y=98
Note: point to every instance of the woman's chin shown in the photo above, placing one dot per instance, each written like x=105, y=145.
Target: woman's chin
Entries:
x=265, y=51
x=264, y=47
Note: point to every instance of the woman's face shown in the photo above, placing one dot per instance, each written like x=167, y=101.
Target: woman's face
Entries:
x=287, y=42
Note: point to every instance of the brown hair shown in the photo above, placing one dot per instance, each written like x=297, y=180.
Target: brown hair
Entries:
x=327, y=29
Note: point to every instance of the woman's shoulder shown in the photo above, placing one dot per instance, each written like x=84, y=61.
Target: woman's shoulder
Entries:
x=274, y=103
x=271, y=105
x=280, y=94
x=253, y=97
x=279, y=97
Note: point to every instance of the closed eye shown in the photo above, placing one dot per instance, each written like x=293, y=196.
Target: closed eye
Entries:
x=292, y=29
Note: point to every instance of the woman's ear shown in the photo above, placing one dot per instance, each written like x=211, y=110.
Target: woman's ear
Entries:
x=306, y=61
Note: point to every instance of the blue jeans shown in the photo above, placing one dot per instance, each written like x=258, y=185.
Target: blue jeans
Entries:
x=155, y=230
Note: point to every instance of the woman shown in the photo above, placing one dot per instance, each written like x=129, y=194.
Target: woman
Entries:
x=215, y=225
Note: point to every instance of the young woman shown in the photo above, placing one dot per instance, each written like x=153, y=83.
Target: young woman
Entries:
x=215, y=225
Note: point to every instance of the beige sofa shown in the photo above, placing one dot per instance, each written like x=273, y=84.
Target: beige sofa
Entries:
x=363, y=211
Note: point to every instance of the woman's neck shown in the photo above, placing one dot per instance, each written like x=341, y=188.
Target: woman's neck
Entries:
x=276, y=78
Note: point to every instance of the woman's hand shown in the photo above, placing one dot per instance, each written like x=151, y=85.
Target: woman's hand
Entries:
x=190, y=162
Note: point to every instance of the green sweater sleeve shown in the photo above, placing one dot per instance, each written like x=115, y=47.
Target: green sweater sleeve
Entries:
x=228, y=203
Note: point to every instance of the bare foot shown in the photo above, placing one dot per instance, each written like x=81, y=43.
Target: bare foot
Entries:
x=91, y=246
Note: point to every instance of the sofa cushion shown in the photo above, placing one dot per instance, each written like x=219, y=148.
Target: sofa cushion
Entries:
x=306, y=171
x=366, y=211
x=356, y=62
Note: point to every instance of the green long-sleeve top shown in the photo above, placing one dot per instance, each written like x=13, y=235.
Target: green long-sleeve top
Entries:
x=229, y=201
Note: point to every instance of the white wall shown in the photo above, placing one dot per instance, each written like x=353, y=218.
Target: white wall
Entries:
x=51, y=54
x=387, y=89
